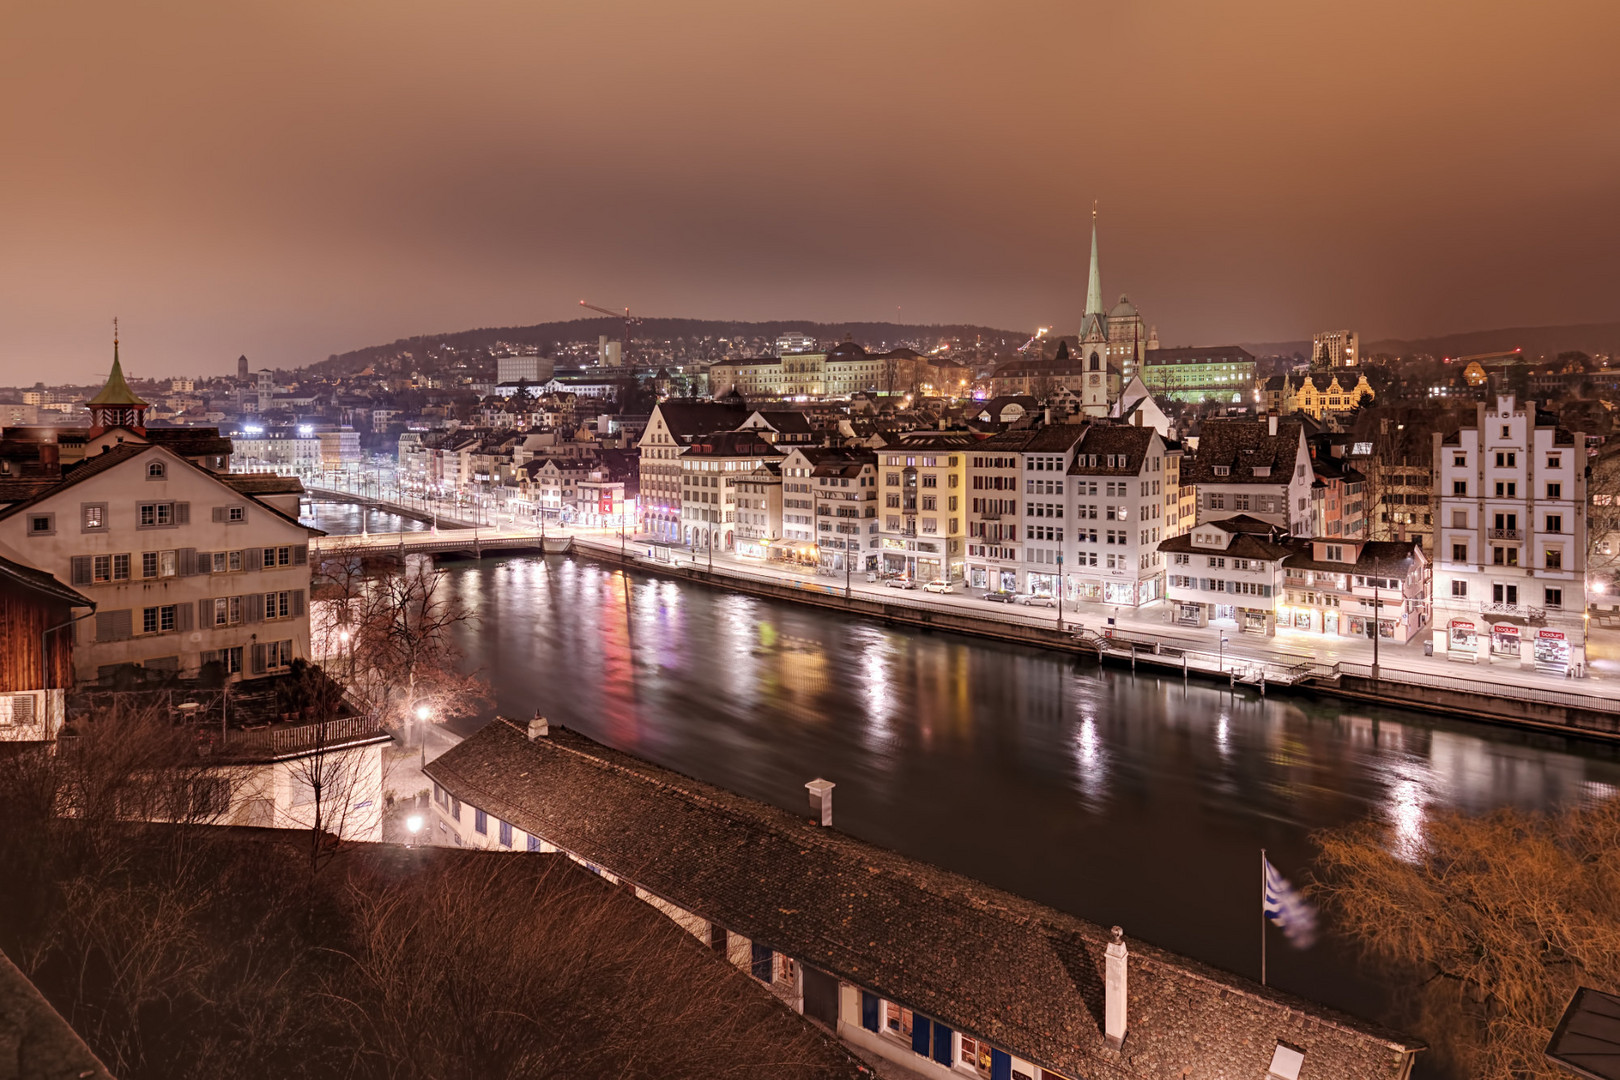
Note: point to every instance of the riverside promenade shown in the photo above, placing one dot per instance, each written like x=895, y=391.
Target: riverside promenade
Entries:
x=1291, y=661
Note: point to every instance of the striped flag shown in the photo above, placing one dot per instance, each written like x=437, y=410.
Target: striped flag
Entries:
x=1292, y=913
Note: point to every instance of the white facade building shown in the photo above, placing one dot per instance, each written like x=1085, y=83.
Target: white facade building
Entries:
x=1117, y=483
x=1510, y=540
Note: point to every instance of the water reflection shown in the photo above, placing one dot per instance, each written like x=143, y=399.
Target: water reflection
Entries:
x=1125, y=799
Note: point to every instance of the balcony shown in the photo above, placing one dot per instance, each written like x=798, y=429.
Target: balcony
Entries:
x=1506, y=534
x=1517, y=611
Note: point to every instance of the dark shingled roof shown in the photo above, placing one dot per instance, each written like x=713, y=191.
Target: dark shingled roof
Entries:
x=1242, y=446
x=747, y=443
x=1104, y=439
x=688, y=419
x=994, y=965
x=38, y=581
x=264, y=483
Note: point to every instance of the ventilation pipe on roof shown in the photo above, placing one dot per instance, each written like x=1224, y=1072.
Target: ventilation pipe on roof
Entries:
x=539, y=728
x=1271, y=423
x=1048, y=419
x=1114, y=991
x=821, y=800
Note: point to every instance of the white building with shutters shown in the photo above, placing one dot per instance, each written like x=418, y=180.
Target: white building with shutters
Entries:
x=186, y=567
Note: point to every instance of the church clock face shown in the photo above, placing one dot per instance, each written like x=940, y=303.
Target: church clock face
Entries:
x=1095, y=379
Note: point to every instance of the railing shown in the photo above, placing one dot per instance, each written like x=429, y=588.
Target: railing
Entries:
x=1523, y=611
x=1505, y=534
x=1504, y=689
x=298, y=738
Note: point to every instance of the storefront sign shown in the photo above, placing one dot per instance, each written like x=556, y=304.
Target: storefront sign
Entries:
x=1550, y=635
x=1462, y=624
x=1507, y=630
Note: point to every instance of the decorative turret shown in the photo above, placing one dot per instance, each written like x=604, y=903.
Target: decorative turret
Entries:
x=116, y=405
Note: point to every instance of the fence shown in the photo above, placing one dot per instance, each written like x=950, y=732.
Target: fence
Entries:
x=285, y=739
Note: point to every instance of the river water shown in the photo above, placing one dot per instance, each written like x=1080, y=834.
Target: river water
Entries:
x=1129, y=799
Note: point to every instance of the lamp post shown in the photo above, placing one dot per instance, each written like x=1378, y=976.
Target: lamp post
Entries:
x=1060, y=591
x=1223, y=652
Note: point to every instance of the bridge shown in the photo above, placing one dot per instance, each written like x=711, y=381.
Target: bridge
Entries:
x=457, y=541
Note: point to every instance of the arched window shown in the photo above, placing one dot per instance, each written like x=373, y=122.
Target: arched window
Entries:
x=1096, y=364
x=154, y=471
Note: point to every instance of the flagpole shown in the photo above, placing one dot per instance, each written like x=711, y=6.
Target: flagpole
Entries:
x=1262, y=916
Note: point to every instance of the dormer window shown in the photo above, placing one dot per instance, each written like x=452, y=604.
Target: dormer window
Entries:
x=155, y=471
x=1223, y=470
x=1262, y=470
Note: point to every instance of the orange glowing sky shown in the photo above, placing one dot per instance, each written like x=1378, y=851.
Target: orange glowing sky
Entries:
x=294, y=179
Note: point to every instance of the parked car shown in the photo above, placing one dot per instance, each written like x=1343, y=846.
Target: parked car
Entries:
x=1031, y=600
x=900, y=583
x=939, y=585
x=999, y=597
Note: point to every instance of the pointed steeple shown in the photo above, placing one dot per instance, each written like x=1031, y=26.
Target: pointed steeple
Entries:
x=116, y=405
x=1094, y=288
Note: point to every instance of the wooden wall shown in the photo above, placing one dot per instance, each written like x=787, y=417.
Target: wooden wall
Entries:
x=24, y=616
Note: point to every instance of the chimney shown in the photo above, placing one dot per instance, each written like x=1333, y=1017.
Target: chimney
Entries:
x=1271, y=424
x=1114, y=991
x=821, y=799
x=538, y=728
x=1048, y=417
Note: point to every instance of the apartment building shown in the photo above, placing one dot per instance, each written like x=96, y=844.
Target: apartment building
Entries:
x=1226, y=573
x=671, y=428
x=995, y=544
x=1510, y=540
x=711, y=466
x=1259, y=467
x=1342, y=587
x=844, y=485
x=185, y=566
x=759, y=510
x=1117, y=495
x=923, y=531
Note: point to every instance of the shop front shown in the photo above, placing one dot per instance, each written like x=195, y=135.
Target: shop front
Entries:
x=1189, y=613
x=1079, y=587
x=1254, y=621
x=749, y=548
x=1505, y=642
x=794, y=553
x=1462, y=641
x=1043, y=584
x=1552, y=653
x=1122, y=593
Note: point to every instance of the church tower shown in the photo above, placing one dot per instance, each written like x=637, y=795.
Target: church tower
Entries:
x=1092, y=347
x=116, y=405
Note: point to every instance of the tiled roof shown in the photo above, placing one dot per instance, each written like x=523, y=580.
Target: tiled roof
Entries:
x=264, y=483
x=1242, y=446
x=731, y=444
x=1242, y=546
x=1103, y=440
x=39, y=581
x=688, y=419
x=1380, y=557
x=934, y=440
x=991, y=964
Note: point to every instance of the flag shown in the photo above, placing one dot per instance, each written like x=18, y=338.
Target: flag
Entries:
x=1292, y=913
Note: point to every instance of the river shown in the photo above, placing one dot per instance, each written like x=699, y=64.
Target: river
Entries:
x=1128, y=799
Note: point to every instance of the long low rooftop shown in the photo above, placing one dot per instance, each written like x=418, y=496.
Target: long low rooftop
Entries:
x=1020, y=975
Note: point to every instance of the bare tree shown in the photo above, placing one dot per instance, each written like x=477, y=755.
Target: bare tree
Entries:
x=388, y=633
x=1487, y=924
x=337, y=778
x=1603, y=520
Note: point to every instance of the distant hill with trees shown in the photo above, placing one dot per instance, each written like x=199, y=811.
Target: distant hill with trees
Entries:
x=549, y=336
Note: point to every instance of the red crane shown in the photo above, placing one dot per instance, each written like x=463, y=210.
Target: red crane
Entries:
x=629, y=321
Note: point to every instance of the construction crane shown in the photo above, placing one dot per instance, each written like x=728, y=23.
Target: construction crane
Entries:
x=629, y=321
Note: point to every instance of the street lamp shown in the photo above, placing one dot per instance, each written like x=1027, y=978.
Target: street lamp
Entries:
x=1223, y=652
x=1060, y=591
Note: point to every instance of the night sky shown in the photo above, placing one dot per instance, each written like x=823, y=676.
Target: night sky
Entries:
x=294, y=179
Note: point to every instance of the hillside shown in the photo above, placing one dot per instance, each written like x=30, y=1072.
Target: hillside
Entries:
x=1536, y=341
x=701, y=335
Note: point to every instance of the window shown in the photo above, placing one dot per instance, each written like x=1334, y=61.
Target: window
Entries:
x=1459, y=461
x=1459, y=519
x=277, y=556
x=1217, y=501
x=41, y=524
x=534, y=843
x=1555, y=491
x=101, y=568
x=156, y=515
x=1554, y=558
x=506, y=833
x=480, y=822
x=1554, y=597
x=157, y=620
x=1506, y=459
x=1335, y=553
x=93, y=517
x=1508, y=490
x=155, y=471
x=1459, y=589
x=1554, y=461
x=1555, y=523
x=1459, y=552
x=1460, y=487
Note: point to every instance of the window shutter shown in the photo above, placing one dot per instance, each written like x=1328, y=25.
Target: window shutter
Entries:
x=219, y=514
x=104, y=625
x=869, y=1011
x=205, y=562
x=255, y=608
x=300, y=555
x=944, y=1050
x=81, y=573
x=919, y=1034
x=258, y=659
x=253, y=559
x=182, y=513
x=298, y=602
x=187, y=560
x=182, y=617
x=205, y=613
x=1000, y=1065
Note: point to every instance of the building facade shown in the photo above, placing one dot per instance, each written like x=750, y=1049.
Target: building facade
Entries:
x=1510, y=540
x=1257, y=467
x=671, y=428
x=923, y=530
x=1223, y=373
x=1336, y=348
x=1117, y=493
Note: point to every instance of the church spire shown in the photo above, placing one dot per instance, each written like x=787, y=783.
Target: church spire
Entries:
x=1094, y=288
x=116, y=405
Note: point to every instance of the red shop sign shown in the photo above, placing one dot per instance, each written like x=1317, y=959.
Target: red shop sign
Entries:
x=1551, y=635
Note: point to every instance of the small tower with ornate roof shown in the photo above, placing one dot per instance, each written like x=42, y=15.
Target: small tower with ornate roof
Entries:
x=116, y=406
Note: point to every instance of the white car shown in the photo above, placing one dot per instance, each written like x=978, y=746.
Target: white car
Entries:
x=1031, y=600
x=939, y=585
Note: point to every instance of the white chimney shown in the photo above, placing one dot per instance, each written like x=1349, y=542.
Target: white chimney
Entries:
x=1114, y=991
x=821, y=799
x=1271, y=423
x=538, y=728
